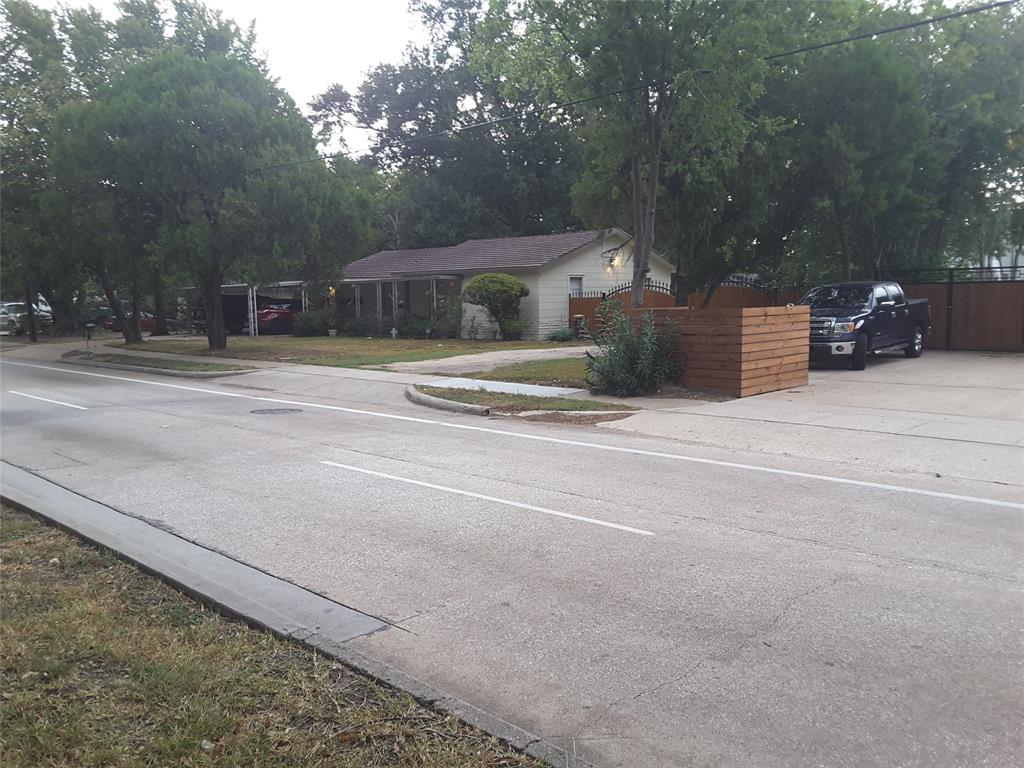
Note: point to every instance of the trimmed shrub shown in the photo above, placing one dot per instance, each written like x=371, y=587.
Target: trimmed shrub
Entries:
x=414, y=327
x=513, y=330
x=499, y=293
x=313, y=323
x=631, y=360
x=562, y=334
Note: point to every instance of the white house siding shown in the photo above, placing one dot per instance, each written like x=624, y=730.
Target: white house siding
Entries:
x=476, y=323
x=600, y=273
x=546, y=309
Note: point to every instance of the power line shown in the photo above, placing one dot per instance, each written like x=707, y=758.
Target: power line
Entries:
x=640, y=86
x=890, y=30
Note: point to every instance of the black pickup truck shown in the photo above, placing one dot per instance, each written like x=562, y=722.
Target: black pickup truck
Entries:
x=852, y=319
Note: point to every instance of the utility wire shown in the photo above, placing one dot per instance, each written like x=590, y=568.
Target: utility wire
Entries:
x=640, y=86
x=900, y=28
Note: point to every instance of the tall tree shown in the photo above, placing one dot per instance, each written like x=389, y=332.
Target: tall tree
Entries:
x=683, y=74
x=511, y=177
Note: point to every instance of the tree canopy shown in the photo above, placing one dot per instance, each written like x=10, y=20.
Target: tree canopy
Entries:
x=156, y=149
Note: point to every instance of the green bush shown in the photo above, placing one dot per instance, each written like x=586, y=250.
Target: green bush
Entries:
x=562, y=334
x=631, y=360
x=513, y=330
x=314, y=323
x=499, y=293
x=364, y=326
x=415, y=328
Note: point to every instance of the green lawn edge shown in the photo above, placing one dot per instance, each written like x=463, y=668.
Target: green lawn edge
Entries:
x=503, y=401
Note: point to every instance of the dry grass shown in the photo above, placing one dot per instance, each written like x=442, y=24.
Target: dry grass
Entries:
x=339, y=351
x=170, y=364
x=507, y=403
x=557, y=372
x=106, y=666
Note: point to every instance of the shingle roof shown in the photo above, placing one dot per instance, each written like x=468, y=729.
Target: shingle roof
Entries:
x=471, y=256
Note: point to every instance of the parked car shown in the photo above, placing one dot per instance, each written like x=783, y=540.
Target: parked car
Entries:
x=274, y=318
x=850, y=320
x=14, y=318
x=147, y=322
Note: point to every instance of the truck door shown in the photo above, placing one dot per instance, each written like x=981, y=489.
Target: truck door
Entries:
x=883, y=319
x=902, y=325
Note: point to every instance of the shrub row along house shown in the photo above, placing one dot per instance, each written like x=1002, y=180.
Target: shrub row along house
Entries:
x=413, y=290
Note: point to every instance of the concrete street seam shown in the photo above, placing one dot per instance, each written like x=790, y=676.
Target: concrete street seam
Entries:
x=249, y=594
x=158, y=371
x=421, y=398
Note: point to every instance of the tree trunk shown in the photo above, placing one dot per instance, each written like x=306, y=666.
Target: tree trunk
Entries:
x=116, y=307
x=159, y=306
x=645, y=208
x=213, y=304
x=65, y=313
x=30, y=311
x=136, y=318
x=841, y=230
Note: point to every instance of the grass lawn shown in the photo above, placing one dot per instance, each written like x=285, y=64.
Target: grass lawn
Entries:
x=555, y=372
x=154, y=362
x=340, y=351
x=517, y=403
x=106, y=666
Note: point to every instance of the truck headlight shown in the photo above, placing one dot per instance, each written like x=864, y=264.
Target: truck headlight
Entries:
x=841, y=329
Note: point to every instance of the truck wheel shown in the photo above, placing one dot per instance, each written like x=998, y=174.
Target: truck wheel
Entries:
x=916, y=343
x=859, y=358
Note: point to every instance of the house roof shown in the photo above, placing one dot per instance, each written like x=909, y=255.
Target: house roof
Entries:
x=503, y=253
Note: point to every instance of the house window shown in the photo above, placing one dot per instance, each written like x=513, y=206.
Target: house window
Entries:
x=575, y=285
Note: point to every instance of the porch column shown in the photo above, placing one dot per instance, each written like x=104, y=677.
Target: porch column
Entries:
x=394, y=304
x=380, y=309
x=433, y=301
x=359, y=300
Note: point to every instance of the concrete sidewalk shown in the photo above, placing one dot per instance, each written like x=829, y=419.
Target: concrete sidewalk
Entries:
x=953, y=414
x=488, y=361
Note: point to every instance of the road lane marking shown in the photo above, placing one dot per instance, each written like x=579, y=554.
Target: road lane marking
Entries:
x=47, y=400
x=560, y=440
x=495, y=499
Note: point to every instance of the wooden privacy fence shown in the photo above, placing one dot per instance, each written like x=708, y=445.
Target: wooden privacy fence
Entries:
x=739, y=351
x=968, y=315
x=583, y=306
x=975, y=315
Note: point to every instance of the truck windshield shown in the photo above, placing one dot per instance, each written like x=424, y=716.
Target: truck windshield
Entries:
x=837, y=296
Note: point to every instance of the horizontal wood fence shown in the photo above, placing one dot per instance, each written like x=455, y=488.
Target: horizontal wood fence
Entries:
x=583, y=308
x=739, y=351
x=971, y=315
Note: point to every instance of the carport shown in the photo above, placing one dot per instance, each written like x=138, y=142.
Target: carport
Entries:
x=242, y=301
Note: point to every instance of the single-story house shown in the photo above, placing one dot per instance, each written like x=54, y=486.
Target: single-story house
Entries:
x=413, y=288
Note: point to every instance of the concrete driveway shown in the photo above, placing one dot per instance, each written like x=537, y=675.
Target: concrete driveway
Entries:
x=949, y=414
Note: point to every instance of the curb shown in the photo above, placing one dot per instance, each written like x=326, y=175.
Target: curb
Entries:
x=157, y=371
x=57, y=505
x=415, y=396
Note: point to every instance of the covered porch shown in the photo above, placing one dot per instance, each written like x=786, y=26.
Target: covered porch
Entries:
x=420, y=306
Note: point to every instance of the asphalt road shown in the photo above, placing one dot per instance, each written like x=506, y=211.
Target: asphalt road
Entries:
x=642, y=602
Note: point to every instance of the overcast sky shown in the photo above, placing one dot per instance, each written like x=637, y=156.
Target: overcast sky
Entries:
x=312, y=44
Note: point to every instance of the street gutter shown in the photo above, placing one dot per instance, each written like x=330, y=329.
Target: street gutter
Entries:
x=247, y=593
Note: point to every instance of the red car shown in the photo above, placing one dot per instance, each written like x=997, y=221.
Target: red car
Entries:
x=275, y=318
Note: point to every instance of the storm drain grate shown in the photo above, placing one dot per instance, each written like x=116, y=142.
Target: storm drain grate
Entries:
x=275, y=411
